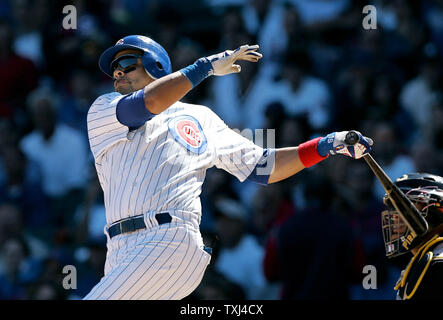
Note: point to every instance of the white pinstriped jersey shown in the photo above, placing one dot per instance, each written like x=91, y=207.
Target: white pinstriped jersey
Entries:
x=161, y=166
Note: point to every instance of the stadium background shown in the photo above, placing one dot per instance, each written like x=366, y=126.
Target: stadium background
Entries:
x=308, y=237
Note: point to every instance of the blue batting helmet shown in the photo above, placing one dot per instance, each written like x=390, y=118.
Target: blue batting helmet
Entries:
x=155, y=59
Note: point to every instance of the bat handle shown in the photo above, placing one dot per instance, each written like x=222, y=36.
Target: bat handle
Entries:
x=352, y=137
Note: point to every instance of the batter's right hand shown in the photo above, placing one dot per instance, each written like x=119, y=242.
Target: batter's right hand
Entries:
x=224, y=63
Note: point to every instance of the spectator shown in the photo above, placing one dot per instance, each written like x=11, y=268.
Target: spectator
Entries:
x=318, y=11
x=260, y=16
x=294, y=130
x=30, y=18
x=11, y=226
x=90, y=264
x=434, y=129
x=426, y=157
x=77, y=100
x=218, y=184
x=388, y=153
x=385, y=105
x=418, y=94
x=363, y=213
x=19, y=77
x=63, y=169
x=265, y=19
x=215, y=286
x=313, y=252
x=9, y=135
x=46, y=290
x=18, y=269
x=19, y=188
x=299, y=91
x=363, y=207
x=433, y=15
x=238, y=97
x=275, y=119
x=240, y=256
x=384, y=98
x=11, y=222
x=353, y=96
x=185, y=52
x=90, y=216
x=386, y=14
x=76, y=48
x=233, y=26
x=412, y=32
x=272, y=205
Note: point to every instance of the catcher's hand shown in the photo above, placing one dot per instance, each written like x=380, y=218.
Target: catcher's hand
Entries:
x=224, y=63
x=335, y=143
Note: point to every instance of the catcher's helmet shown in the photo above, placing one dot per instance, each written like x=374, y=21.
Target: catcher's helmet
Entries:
x=155, y=59
x=426, y=192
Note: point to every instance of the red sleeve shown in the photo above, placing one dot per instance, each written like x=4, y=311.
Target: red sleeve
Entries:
x=308, y=154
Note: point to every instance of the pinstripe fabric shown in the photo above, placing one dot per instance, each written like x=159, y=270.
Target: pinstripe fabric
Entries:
x=164, y=262
x=149, y=170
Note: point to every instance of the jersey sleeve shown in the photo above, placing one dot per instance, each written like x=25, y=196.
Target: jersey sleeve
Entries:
x=131, y=110
x=233, y=152
x=104, y=129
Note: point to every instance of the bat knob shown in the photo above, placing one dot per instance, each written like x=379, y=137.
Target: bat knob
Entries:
x=352, y=137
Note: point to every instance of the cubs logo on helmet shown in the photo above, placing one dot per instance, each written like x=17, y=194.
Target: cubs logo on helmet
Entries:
x=187, y=131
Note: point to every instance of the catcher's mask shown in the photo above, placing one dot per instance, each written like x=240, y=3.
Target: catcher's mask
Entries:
x=426, y=192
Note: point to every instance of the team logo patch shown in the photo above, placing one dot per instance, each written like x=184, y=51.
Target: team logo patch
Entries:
x=187, y=131
x=119, y=42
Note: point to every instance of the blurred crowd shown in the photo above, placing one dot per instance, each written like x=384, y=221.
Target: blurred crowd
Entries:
x=307, y=237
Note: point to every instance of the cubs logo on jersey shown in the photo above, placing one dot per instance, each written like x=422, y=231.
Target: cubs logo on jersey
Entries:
x=187, y=131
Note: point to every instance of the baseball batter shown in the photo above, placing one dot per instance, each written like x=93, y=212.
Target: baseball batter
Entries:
x=151, y=154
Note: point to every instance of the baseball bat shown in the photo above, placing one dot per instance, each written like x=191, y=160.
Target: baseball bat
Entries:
x=404, y=207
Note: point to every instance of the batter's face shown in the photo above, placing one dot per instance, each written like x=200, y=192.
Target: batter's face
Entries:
x=137, y=79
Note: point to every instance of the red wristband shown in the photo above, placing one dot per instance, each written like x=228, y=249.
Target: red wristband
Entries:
x=308, y=154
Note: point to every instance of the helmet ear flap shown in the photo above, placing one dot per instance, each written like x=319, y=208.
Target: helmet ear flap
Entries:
x=159, y=65
x=153, y=66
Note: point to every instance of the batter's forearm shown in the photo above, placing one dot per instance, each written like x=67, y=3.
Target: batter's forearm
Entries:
x=287, y=163
x=164, y=92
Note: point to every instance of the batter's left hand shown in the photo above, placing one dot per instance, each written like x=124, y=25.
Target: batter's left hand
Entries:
x=334, y=143
x=224, y=63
